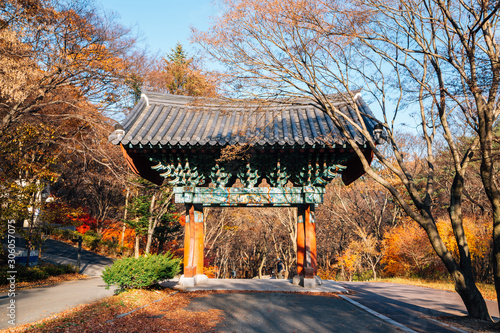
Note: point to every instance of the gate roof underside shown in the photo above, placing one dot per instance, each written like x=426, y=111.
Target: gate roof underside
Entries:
x=180, y=139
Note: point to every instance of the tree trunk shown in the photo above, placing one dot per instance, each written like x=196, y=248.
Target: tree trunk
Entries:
x=150, y=224
x=465, y=284
x=125, y=218
x=261, y=265
x=466, y=288
x=493, y=193
x=486, y=120
x=136, y=247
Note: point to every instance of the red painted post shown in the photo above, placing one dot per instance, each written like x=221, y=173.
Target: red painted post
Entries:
x=199, y=236
x=301, y=240
x=189, y=243
x=311, y=251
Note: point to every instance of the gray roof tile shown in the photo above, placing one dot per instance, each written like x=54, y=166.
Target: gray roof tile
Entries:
x=187, y=121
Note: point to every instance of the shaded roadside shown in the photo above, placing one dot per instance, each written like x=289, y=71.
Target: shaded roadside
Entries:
x=412, y=306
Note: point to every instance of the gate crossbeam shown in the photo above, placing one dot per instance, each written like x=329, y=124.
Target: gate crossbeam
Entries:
x=257, y=196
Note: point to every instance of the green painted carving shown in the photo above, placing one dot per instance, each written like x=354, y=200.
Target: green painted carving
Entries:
x=178, y=171
x=301, y=168
x=220, y=175
x=249, y=174
x=278, y=174
x=329, y=172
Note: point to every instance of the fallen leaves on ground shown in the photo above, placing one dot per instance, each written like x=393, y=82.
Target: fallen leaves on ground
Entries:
x=51, y=280
x=469, y=324
x=162, y=311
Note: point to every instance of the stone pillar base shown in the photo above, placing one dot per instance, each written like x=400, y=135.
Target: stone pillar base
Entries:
x=300, y=280
x=200, y=279
x=309, y=283
x=193, y=281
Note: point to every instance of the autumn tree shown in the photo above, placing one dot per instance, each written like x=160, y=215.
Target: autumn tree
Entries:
x=419, y=56
x=179, y=74
x=47, y=46
x=62, y=69
x=352, y=222
x=250, y=241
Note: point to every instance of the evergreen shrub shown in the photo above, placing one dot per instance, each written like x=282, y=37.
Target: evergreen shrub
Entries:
x=144, y=272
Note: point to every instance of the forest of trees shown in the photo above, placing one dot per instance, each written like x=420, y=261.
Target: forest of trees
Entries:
x=429, y=206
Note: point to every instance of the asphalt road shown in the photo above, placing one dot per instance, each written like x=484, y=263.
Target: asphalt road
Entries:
x=411, y=306
x=281, y=312
x=92, y=264
x=416, y=308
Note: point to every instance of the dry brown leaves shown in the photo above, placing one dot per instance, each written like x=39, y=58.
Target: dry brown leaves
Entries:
x=51, y=280
x=155, y=311
x=469, y=324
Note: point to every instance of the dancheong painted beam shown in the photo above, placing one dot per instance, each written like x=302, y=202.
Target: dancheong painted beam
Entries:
x=257, y=196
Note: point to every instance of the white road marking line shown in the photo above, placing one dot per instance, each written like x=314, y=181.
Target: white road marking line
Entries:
x=378, y=315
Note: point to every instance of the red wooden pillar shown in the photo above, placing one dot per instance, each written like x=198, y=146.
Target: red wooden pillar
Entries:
x=187, y=240
x=301, y=240
x=193, y=241
x=306, y=242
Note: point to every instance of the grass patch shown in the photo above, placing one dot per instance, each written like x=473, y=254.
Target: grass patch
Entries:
x=156, y=311
x=487, y=290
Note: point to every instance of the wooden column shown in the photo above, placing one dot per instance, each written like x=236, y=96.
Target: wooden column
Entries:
x=301, y=240
x=199, y=237
x=193, y=241
x=187, y=240
x=306, y=242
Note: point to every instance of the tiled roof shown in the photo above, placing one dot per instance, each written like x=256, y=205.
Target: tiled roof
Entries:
x=171, y=120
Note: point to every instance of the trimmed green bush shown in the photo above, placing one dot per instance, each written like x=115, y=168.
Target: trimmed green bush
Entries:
x=144, y=272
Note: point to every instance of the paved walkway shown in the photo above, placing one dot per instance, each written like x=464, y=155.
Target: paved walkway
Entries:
x=38, y=303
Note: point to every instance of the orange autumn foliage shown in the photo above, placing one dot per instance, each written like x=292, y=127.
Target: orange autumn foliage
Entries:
x=407, y=250
x=348, y=262
x=113, y=233
x=182, y=219
x=83, y=228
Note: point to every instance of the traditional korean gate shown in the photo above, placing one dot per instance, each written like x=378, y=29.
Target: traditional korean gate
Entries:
x=295, y=148
x=195, y=198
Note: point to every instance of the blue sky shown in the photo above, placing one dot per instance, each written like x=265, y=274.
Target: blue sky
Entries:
x=162, y=24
